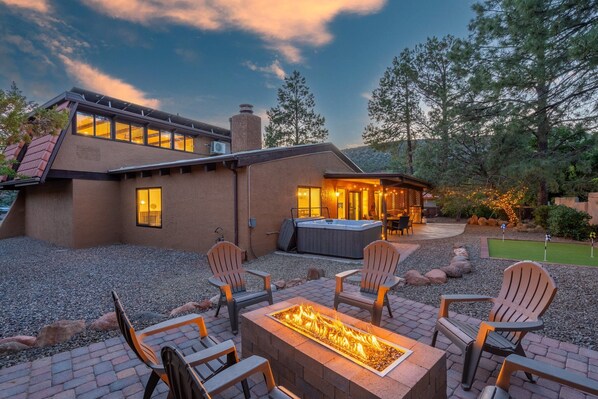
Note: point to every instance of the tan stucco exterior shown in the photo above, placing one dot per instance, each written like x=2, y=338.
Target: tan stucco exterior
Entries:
x=96, y=213
x=590, y=206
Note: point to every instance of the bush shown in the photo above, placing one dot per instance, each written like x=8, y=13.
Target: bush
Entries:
x=569, y=223
x=541, y=214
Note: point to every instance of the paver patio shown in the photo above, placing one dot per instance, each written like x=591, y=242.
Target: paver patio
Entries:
x=110, y=370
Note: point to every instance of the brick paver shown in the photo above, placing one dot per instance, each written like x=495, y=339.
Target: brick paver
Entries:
x=110, y=370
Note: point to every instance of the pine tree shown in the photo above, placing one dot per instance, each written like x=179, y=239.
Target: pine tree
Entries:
x=395, y=108
x=543, y=56
x=293, y=121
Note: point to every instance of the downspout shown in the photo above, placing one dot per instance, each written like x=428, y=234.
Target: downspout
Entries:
x=233, y=168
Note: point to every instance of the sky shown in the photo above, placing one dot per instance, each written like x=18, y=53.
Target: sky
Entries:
x=202, y=58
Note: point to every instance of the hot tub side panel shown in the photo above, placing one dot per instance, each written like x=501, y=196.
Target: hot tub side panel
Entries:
x=334, y=242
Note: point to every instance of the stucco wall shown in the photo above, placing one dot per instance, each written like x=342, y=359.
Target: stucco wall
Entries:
x=193, y=206
x=90, y=154
x=13, y=224
x=590, y=207
x=273, y=192
x=49, y=212
x=96, y=213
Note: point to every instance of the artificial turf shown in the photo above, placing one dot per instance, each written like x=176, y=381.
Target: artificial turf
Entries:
x=557, y=252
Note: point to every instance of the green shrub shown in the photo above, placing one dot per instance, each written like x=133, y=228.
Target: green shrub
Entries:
x=569, y=223
x=541, y=214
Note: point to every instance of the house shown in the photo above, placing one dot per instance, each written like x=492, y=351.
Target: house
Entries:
x=124, y=173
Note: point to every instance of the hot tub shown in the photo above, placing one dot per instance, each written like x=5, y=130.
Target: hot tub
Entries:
x=335, y=237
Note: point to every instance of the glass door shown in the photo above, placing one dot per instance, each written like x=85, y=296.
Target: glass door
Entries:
x=341, y=200
x=354, y=208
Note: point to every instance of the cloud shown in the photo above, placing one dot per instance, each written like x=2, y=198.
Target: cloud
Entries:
x=284, y=25
x=273, y=69
x=94, y=79
x=32, y=5
x=187, y=55
x=366, y=95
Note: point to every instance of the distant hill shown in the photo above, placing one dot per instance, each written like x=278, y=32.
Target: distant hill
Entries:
x=369, y=159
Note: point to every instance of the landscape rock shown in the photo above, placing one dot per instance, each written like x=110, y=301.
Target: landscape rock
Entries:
x=452, y=271
x=458, y=245
x=106, y=322
x=191, y=307
x=59, y=331
x=315, y=274
x=413, y=277
x=22, y=339
x=492, y=222
x=436, y=276
x=461, y=252
x=294, y=282
x=473, y=220
x=12, y=346
x=459, y=258
x=464, y=266
x=280, y=284
x=482, y=221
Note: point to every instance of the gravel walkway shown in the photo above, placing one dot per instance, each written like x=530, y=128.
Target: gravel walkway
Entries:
x=42, y=283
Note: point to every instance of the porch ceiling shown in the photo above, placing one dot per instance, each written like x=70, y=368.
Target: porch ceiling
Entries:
x=384, y=179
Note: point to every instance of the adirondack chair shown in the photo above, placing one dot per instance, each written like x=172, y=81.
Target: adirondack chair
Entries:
x=185, y=383
x=527, y=291
x=212, y=351
x=225, y=260
x=515, y=362
x=380, y=261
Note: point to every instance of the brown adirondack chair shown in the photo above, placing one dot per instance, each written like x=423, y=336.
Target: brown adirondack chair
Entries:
x=225, y=260
x=380, y=261
x=527, y=291
x=185, y=383
x=515, y=362
x=213, y=351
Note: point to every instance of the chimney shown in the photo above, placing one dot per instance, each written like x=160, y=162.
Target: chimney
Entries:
x=246, y=130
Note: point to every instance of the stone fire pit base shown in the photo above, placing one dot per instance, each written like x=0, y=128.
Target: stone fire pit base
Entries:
x=313, y=371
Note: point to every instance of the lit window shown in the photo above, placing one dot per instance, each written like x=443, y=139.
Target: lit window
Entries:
x=103, y=127
x=149, y=207
x=309, y=201
x=137, y=134
x=165, y=139
x=153, y=137
x=179, y=142
x=189, y=143
x=123, y=131
x=84, y=124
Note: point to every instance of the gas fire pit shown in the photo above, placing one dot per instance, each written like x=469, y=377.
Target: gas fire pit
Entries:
x=319, y=353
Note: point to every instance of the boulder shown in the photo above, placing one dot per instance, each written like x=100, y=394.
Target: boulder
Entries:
x=461, y=252
x=459, y=258
x=315, y=274
x=436, y=276
x=280, y=284
x=106, y=322
x=510, y=225
x=482, y=221
x=59, y=331
x=452, y=271
x=191, y=307
x=294, y=282
x=458, y=245
x=12, y=346
x=413, y=277
x=492, y=222
x=21, y=339
x=473, y=220
x=464, y=266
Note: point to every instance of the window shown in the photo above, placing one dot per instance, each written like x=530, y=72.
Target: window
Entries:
x=188, y=143
x=123, y=131
x=153, y=137
x=309, y=201
x=137, y=133
x=94, y=125
x=165, y=139
x=149, y=207
x=179, y=142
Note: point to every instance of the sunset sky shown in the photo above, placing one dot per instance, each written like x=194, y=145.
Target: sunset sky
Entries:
x=202, y=58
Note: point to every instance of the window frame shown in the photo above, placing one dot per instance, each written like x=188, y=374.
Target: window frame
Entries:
x=309, y=188
x=137, y=207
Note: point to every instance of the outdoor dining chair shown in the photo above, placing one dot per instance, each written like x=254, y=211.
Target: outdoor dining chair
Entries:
x=515, y=363
x=225, y=260
x=213, y=357
x=527, y=291
x=185, y=383
x=380, y=261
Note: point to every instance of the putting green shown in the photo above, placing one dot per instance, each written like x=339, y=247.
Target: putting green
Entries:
x=558, y=252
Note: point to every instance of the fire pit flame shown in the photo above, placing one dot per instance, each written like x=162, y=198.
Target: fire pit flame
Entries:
x=362, y=347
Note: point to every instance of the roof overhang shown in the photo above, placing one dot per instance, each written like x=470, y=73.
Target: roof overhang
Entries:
x=383, y=179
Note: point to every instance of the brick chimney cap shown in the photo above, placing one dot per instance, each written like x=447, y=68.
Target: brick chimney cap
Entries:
x=246, y=108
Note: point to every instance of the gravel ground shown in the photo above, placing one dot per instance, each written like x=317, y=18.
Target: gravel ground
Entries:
x=42, y=283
